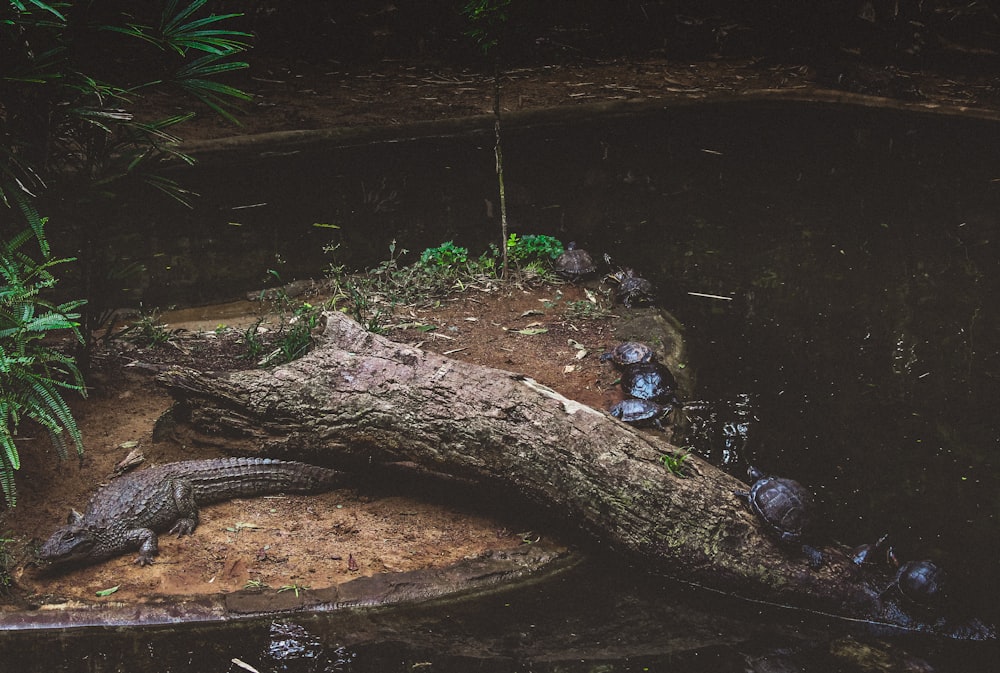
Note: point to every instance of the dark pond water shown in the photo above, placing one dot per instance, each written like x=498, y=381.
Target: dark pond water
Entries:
x=594, y=619
x=852, y=342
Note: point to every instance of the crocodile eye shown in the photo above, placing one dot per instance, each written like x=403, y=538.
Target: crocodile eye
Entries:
x=76, y=541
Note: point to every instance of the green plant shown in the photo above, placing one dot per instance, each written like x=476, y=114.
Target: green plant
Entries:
x=676, y=464
x=296, y=340
x=252, y=341
x=446, y=256
x=147, y=331
x=293, y=587
x=33, y=373
x=533, y=248
x=65, y=88
x=69, y=72
x=487, y=20
x=291, y=341
x=372, y=318
x=586, y=310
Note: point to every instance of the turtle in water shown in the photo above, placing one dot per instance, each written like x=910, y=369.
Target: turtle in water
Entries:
x=574, y=263
x=786, y=506
x=650, y=381
x=632, y=288
x=629, y=353
x=920, y=583
x=640, y=412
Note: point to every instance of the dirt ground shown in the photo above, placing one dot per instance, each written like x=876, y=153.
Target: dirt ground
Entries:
x=318, y=540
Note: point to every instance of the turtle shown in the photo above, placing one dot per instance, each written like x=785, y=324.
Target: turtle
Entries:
x=574, y=263
x=632, y=288
x=920, y=583
x=629, y=353
x=786, y=506
x=640, y=412
x=650, y=381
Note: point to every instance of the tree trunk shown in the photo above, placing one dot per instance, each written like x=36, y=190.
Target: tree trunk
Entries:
x=359, y=399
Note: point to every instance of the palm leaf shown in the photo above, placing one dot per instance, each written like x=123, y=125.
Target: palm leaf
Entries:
x=20, y=6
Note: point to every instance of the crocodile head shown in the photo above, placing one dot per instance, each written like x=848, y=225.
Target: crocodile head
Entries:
x=70, y=544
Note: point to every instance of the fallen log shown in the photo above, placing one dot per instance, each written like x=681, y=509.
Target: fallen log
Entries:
x=359, y=399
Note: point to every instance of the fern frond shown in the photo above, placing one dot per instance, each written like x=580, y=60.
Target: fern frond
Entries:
x=7, y=480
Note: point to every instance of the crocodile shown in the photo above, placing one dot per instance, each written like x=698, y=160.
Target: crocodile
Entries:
x=129, y=511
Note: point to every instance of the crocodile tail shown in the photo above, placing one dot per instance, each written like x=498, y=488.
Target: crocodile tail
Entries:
x=219, y=479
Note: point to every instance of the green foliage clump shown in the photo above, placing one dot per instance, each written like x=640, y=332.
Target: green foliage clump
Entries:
x=446, y=256
x=533, y=248
x=33, y=374
x=70, y=72
x=66, y=94
x=487, y=20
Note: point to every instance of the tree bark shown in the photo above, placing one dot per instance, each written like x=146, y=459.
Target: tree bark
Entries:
x=359, y=399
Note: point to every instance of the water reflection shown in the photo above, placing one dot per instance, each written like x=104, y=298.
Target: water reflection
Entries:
x=292, y=648
x=720, y=430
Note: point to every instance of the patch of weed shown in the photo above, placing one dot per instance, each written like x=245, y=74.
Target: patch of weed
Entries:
x=676, y=464
x=586, y=310
x=147, y=331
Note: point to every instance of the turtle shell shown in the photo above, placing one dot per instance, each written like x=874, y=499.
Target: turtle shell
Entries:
x=639, y=412
x=574, y=263
x=650, y=381
x=634, y=289
x=922, y=582
x=629, y=353
x=785, y=504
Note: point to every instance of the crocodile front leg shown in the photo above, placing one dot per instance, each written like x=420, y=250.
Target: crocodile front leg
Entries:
x=187, y=508
x=146, y=540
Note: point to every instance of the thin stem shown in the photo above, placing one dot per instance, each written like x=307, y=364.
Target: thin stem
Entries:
x=498, y=151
